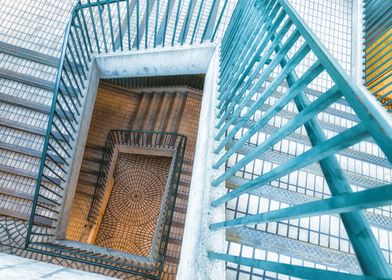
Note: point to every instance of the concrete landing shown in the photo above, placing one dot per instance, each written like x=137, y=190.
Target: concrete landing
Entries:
x=13, y=267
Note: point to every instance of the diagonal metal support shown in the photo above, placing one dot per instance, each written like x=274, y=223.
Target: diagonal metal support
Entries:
x=343, y=203
x=367, y=250
x=319, y=152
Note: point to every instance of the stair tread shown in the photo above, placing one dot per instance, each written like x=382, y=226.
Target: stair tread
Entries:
x=24, y=173
x=29, y=54
x=303, y=139
x=280, y=158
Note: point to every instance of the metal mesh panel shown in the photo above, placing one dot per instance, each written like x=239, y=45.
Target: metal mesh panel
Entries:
x=37, y=25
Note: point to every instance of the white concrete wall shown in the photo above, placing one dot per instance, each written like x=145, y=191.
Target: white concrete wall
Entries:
x=178, y=60
x=198, y=239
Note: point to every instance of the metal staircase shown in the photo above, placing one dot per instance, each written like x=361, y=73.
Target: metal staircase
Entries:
x=42, y=98
x=298, y=156
x=273, y=131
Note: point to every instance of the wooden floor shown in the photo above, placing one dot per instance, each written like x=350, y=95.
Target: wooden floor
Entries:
x=132, y=213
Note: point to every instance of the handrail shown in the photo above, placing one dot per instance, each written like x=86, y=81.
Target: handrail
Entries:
x=50, y=119
x=267, y=42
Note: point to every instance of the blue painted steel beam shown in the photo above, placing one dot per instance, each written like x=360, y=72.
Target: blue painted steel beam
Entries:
x=368, y=110
x=293, y=91
x=332, y=146
x=302, y=52
x=343, y=203
x=303, y=117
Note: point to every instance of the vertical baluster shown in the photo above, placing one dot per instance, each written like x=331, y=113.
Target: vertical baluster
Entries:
x=137, y=24
x=219, y=20
x=166, y=20
x=197, y=21
x=147, y=13
x=85, y=36
x=111, y=24
x=185, y=28
x=207, y=28
x=94, y=27
x=176, y=22
x=156, y=23
x=120, y=33
x=128, y=25
x=102, y=25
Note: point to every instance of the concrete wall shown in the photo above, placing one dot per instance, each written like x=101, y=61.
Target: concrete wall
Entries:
x=198, y=239
x=178, y=60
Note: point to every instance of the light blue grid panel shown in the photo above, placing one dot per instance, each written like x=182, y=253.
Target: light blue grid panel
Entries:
x=38, y=25
x=331, y=22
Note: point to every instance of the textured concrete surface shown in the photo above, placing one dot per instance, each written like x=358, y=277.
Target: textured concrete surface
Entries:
x=13, y=267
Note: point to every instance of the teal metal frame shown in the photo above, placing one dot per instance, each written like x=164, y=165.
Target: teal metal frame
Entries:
x=251, y=51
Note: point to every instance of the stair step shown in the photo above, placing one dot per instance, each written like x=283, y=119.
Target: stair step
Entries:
x=303, y=139
x=24, y=173
x=281, y=158
x=29, y=55
x=38, y=107
x=172, y=260
x=20, y=208
x=275, y=243
x=86, y=182
x=26, y=217
x=26, y=79
x=35, y=82
x=180, y=209
x=186, y=173
x=90, y=172
x=27, y=151
x=27, y=128
x=294, y=198
x=284, y=113
x=137, y=122
x=162, y=114
x=24, y=195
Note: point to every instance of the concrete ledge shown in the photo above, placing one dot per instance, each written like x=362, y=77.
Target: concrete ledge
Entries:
x=13, y=267
x=178, y=60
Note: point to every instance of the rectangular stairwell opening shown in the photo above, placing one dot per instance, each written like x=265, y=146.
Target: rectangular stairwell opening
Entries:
x=131, y=195
x=147, y=106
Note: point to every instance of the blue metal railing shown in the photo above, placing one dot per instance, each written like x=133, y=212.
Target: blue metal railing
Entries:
x=268, y=46
x=97, y=27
